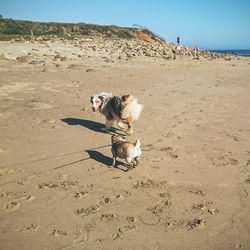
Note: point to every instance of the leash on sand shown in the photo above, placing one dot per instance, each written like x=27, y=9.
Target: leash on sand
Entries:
x=83, y=159
x=53, y=157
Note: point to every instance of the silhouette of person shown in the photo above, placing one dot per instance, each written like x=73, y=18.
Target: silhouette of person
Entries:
x=178, y=40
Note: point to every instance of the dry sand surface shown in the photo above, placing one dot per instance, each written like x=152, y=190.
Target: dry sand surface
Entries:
x=57, y=188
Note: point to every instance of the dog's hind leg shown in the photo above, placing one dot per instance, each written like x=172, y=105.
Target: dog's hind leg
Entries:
x=130, y=163
x=137, y=162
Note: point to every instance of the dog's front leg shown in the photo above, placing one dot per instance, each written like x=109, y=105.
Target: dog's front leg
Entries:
x=108, y=125
x=137, y=162
x=114, y=161
x=130, y=163
x=120, y=124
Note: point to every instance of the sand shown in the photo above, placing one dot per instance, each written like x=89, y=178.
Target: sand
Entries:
x=57, y=187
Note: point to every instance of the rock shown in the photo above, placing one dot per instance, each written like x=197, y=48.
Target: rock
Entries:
x=3, y=56
x=36, y=62
x=90, y=70
x=24, y=59
x=64, y=58
x=75, y=66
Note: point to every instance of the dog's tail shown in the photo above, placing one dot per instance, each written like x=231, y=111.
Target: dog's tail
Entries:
x=131, y=107
x=137, y=144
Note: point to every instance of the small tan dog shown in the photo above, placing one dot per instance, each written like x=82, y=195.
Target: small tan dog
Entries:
x=124, y=149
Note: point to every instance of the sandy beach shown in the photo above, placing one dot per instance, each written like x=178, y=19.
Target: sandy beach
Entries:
x=58, y=189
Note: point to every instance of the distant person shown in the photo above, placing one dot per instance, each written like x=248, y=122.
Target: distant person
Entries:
x=178, y=40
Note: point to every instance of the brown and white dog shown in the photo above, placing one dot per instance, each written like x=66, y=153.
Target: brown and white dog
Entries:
x=123, y=109
x=127, y=150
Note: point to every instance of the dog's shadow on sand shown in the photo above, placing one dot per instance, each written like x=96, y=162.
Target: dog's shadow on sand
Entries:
x=106, y=160
x=92, y=125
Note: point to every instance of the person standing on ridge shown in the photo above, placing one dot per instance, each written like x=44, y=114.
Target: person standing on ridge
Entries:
x=178, y=40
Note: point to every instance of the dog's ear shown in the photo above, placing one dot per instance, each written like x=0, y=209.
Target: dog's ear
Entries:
x=91, y=98
x=125, y=97
x=102, y=97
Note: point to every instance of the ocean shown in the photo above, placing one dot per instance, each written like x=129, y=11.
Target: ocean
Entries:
x=239, y=52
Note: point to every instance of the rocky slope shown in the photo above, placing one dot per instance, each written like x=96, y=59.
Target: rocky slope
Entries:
x=111, y=42
x=29, y=29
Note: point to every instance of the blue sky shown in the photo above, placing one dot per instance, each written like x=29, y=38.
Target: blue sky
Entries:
x=211, y=24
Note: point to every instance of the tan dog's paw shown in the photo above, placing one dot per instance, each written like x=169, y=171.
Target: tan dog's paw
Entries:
x=130, y=131
x=121, y=125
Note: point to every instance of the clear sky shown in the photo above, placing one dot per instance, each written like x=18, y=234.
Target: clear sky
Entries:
x=211, y=24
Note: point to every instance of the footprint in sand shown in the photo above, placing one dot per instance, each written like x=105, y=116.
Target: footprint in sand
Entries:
x=107, y=217
x=12, y=206
x=196, y=223
x=220, y=158
x=122, y=230
x=82, y=237
x=148, y=218
x=13, y=195
x=7, y=171
x=57, y=232
x=170, y=152
x=38, y=105
x=80, y=194
x=198, y=192
x=87, y=211
x=247, y=180
x=131, y=219
x=93, y=208
x=64, y=184
x=29, y=228
x=160, y=207
x=31, y=198
x=148, y=183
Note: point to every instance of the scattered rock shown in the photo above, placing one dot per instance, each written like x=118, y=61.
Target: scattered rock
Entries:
x=90, y=70
x=36, y=62
x=196, y=223
x=24, y=59
x=75, y=66
x=3, y=56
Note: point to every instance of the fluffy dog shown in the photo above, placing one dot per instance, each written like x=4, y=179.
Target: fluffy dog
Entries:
x=124, y=149
x=123, y=109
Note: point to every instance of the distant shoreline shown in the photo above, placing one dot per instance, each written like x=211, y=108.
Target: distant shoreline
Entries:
x=238, y=52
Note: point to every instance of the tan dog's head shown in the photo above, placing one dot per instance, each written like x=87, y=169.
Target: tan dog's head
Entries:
x=98, y=99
